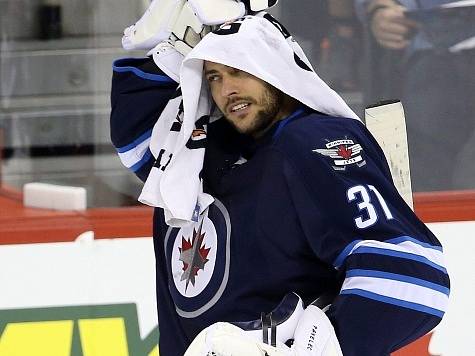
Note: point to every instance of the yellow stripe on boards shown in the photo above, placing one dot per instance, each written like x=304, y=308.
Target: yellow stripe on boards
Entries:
x=104, y=336
x=154, y=352
x=44, y=338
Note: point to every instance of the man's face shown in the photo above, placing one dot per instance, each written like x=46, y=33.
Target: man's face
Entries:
x=248, y=103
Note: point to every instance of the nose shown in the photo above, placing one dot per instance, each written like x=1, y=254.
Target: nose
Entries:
x=229, y=87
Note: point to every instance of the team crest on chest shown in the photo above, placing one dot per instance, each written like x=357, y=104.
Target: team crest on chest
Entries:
x=343, y=152
x=198, y=256
x=193, y=257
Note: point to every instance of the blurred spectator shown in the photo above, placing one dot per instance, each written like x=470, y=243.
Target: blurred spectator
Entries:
x=434, y=80
x=329, y=31
x=340, y=50
x=308, y=21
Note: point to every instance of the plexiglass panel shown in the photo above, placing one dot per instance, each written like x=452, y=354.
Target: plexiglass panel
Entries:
x=55, y=77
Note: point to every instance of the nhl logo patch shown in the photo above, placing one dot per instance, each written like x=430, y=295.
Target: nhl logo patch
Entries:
x=343, y=152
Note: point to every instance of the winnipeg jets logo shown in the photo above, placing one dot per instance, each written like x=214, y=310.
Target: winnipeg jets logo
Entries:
x=198, y=256
x=344, y=152
x=194, y=255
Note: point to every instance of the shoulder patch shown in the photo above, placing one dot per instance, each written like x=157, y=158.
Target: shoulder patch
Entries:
x=343, y=152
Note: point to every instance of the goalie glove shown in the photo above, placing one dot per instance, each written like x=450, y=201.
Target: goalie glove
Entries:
x=185, y=33
x=154, y=26
x=198, y=17
x=164, y=17
x=168, y=59
x=169, y=29
x=314, y=336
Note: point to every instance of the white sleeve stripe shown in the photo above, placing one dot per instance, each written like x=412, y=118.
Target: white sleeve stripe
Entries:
x=397, y=277
x=398, y=290
x=134, y=155
x=402, y=239
x=406, y=249
x=410, y=247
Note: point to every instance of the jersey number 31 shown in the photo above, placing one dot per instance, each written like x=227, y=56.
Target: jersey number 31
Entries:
x=369, y=214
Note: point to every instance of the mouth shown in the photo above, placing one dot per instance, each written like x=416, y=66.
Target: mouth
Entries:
x=238, y=108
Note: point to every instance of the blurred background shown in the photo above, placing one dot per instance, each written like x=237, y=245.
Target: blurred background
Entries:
x=56, y=66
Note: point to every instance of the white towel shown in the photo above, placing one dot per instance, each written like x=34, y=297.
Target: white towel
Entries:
x=260, y=47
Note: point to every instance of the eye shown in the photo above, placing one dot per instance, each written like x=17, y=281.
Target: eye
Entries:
x=212, y=78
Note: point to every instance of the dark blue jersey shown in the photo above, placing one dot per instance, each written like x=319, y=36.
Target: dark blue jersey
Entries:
x=310, y=207
x=140, y=92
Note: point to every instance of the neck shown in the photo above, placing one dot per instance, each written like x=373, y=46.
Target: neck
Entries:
x=289, y=105
x=286, y=106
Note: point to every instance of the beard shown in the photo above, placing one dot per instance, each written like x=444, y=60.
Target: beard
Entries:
x=271, y=102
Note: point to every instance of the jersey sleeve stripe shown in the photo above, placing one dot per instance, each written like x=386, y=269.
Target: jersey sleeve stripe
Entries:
x=397, y=290
x=400, y=254
x=394, y=301
x=139, y=73
x=408, y=248
x=397, y=277
x=345, y=253
x=403, y=291
x=136, y=142
x=135, y=155
x=402, y=239
x=146, y=157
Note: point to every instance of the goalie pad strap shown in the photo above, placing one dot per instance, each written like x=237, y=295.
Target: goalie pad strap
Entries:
x=273, y=332
x=282, y=321
x=265, y=328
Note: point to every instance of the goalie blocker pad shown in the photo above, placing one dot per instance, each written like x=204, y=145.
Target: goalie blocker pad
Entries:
x=310, y=329
x=280, y=324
